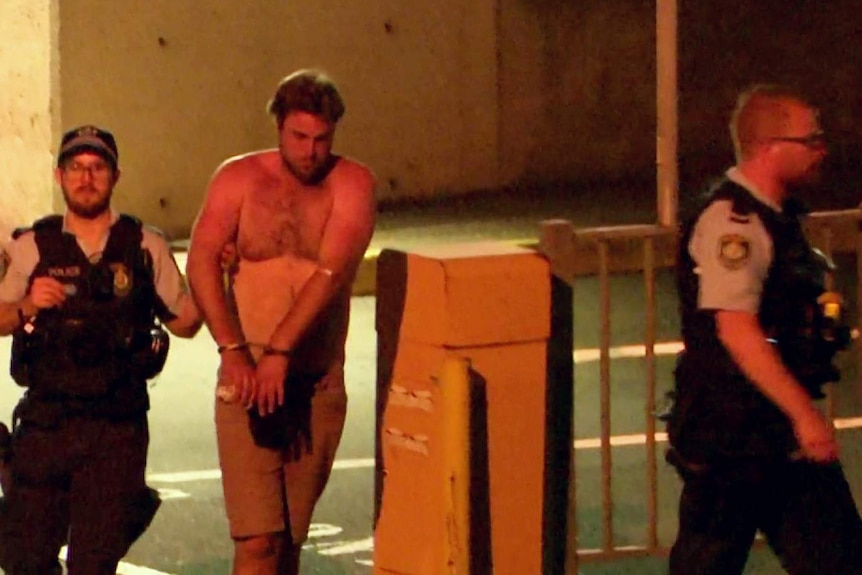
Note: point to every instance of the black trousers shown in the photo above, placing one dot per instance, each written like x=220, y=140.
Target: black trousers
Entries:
x=81, y=481
x=805, y=510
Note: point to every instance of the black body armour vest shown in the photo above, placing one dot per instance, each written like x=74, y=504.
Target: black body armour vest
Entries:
x=85, y=353
x=717, y=412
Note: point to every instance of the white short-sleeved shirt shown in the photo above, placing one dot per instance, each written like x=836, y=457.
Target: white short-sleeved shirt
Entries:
x=22, y=255
x=732, y=253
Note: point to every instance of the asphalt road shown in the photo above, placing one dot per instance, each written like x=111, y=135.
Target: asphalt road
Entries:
x=189, y=535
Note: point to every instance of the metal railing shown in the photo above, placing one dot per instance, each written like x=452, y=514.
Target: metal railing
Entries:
x=603, y=252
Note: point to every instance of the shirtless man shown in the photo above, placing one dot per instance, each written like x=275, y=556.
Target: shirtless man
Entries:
x=301, y=219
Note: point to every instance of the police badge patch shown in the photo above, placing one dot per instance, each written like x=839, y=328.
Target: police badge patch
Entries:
x=734, y=251
x=122, y=279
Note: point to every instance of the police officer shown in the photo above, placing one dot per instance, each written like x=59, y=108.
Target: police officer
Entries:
x=752, y=449
x=80, y=295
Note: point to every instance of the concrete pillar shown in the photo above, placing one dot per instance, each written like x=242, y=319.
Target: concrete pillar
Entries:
x=488, y=303
x=29, y=109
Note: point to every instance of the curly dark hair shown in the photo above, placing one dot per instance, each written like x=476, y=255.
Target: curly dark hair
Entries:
x=311, y=91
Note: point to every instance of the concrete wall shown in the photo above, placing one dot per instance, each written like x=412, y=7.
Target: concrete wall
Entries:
x=443, y=97
x=184, y=85
x=811, y=46
x=28, y=84
x=577, y=89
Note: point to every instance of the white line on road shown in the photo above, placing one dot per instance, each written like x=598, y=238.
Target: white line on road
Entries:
x=365, y=463
x=627, y=351
x=204, y=474
x=580, y=356
x=345, y=547
x=128, y=569
x=123, y=568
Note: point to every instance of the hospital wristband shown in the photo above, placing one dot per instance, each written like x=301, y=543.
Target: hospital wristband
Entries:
x=232, y=346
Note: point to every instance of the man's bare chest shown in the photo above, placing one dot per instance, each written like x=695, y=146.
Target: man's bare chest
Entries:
x=279, y=221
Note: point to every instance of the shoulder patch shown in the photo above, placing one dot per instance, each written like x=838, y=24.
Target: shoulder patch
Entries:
x=734, y=251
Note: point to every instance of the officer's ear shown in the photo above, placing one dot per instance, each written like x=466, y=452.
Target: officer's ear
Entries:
x=58, y=175
x=117, y=174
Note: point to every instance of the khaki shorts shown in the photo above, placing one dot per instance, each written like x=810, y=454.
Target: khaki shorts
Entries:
x=256, y=480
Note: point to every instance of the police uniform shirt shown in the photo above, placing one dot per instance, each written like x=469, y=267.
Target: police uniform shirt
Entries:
x=732, y=252
x=22, y=255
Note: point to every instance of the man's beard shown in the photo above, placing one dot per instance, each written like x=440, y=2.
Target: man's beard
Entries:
x=313, y=177
x=87, y=211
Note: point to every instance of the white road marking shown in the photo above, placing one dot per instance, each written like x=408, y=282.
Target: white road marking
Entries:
x=618, y=440
x=316, y=530
x=166, y=493
x=345, y=547
x=123, y=568
x=586, y=355
x=628, y=440
x=205, y=474
x=627, y=351
x=367, y=544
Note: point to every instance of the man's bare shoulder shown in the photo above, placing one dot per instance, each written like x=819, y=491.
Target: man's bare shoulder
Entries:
x=248, y=167
x=351, y=173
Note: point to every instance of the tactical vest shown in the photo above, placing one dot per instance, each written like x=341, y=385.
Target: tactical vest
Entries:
x=89, y=348
x=717, y=411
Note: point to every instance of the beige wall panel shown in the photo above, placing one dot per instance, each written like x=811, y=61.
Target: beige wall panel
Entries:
x=28, y=67
x=184, y=84
x=577, y=89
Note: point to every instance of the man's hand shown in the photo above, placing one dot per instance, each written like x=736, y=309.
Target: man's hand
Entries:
x=236, y=377
x=271, y=375
x=816, y=438
x=47, y=292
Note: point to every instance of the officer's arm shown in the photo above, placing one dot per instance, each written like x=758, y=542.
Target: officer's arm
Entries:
x=345, y=238
x=12, y=312
x=187, y=322
x=733, y=253
x=16, y=302
x=215, y=228
x=178, y=311
x=742, y=335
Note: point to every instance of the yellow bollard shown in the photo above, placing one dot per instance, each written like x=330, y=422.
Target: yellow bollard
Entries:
x=454, y=381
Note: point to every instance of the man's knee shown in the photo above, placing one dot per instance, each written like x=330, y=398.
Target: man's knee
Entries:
x=258, y=547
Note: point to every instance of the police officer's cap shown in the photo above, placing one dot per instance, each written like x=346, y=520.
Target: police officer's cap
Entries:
x=89, y=139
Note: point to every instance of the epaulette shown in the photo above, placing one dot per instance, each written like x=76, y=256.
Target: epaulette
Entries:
x=795, y=207
x=743, y=203
x=52, y=222
x=131, y=219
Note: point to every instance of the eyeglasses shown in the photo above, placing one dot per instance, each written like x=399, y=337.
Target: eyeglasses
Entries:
x=97, y=170
x=815, y=140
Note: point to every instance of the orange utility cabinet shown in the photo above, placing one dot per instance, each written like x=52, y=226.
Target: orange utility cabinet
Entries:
x=489, y=304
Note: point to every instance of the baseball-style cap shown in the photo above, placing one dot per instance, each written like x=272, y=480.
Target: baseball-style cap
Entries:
x=89, y=139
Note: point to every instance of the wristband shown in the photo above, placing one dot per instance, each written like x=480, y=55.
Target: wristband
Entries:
x=232, y=346
x=269, y=350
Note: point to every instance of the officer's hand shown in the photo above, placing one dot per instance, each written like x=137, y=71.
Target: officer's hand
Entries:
x=236, y=382
x=271, y=373
x=816, y=438
x=47, y=292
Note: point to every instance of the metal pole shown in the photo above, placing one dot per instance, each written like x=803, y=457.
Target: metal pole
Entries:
x=666, y=111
